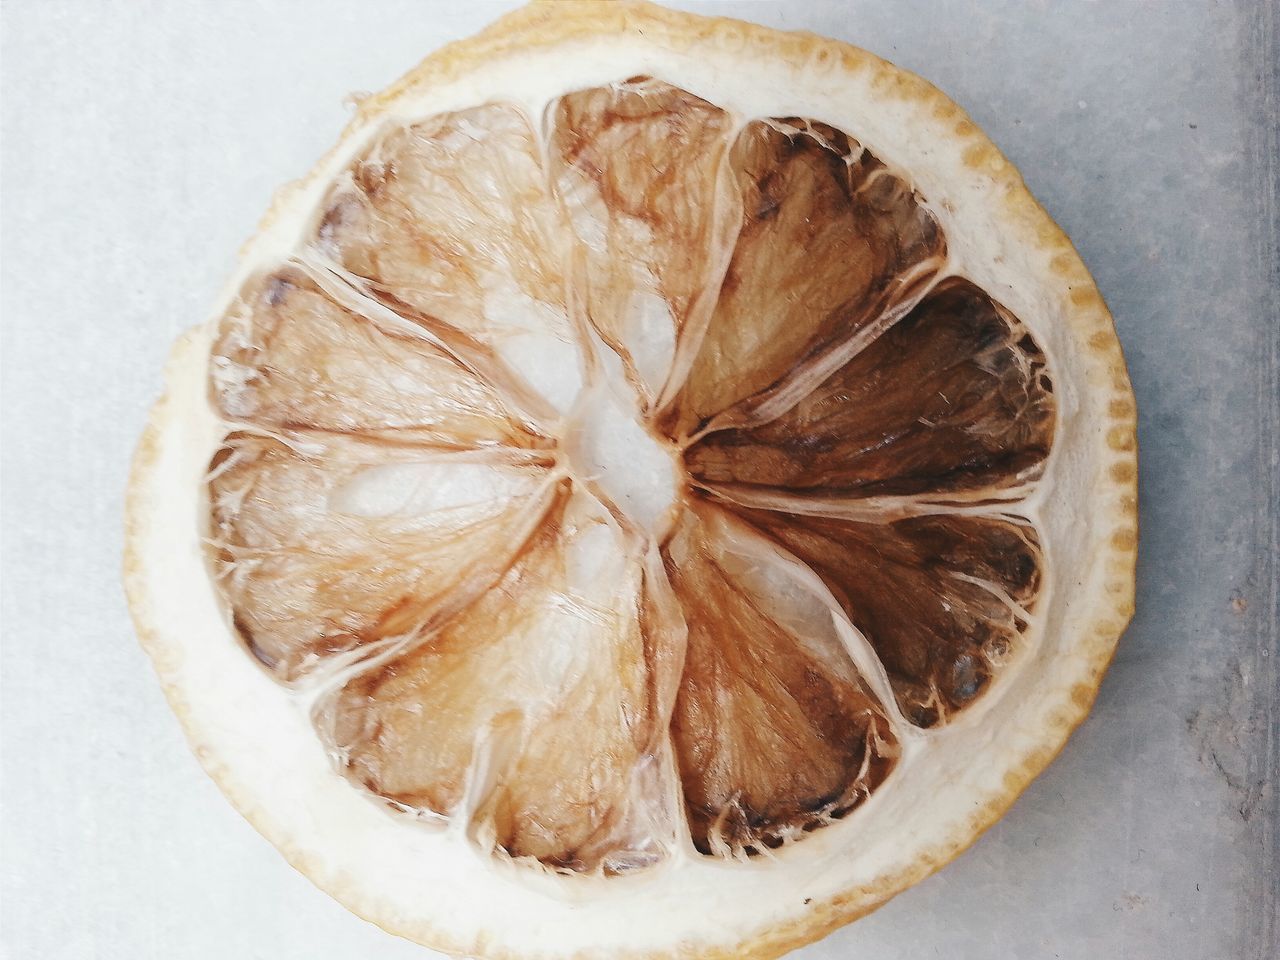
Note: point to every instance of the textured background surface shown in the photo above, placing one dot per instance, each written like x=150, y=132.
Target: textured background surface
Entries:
x=142, y=140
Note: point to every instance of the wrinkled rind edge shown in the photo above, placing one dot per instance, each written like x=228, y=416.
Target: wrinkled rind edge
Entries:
x=547, y=23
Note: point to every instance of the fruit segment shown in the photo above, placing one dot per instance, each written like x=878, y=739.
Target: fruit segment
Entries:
x=831, y=245
x=529, y=714
x=341, y=543
x=774, y=730
x=450, y=218
x=289, y=357
x=952, y=398
x=635, y=165
x=942, y=599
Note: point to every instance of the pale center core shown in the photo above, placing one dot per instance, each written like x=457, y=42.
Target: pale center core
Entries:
x=611, y=450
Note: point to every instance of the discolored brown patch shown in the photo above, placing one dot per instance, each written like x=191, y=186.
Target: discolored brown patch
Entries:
x=941, y=599
x=1121, y=438
x=1123, y=472
x=1119, y=409
x=774, y=731
x=829, y=241
x=954, y=397
x=1125, y=539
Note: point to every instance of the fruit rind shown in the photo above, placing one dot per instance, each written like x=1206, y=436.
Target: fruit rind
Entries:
x=1106, y=448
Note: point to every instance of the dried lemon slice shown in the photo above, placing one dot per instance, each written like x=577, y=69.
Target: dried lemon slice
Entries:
x=654, y=469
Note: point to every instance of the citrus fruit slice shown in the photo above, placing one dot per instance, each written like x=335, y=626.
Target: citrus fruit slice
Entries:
x=659, y=487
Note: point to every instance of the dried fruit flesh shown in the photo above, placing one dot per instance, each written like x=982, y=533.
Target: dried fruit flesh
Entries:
x=628, y=480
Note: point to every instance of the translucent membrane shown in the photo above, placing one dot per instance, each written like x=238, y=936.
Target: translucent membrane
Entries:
x=445, y=503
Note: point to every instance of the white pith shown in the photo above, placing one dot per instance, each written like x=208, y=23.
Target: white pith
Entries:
x=391, y=869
